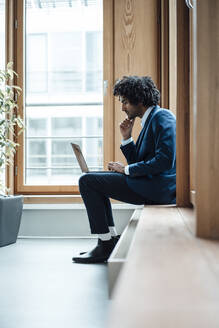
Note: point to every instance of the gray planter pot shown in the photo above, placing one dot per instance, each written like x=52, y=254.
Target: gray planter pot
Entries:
x=10, y=218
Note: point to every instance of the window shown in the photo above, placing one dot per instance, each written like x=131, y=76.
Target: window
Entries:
x=62, y=91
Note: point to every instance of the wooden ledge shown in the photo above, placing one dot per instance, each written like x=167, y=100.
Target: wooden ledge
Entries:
x=171, y=278
x=119, y=254
x=52, y=199
x=57, y=199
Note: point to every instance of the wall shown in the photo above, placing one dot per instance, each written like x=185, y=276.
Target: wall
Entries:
x=65, y=220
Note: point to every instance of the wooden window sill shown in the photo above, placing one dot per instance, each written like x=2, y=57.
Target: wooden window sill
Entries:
x=52, y=199
x=68, y=199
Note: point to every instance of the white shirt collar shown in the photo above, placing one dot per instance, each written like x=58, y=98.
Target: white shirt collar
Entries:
x=145, y=116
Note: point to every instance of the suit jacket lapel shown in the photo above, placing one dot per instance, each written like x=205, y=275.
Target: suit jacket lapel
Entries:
x=143, y=130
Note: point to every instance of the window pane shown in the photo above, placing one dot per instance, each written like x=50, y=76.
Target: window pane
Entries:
x=94, y=126
x=36, y=147
x=94, y=61
x=66, y=74
x=36, y=127
x=63, y=98
x=37, y=69
x=36, y=161
x=93, y=153
x=66, y=126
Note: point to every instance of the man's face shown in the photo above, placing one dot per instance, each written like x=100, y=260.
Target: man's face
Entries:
x=132, y=111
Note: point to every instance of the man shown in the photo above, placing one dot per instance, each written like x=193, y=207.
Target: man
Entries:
x=149, y=177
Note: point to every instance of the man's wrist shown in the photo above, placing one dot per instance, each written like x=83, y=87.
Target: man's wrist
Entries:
x=126, y=137
x=127, y=141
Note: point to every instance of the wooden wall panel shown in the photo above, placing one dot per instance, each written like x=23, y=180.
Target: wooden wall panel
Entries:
x=137, y=49
x=182, y=106
x=108, y=77
x=165, y=54
x=207, y=119
x=193, y=100
x=172, y=55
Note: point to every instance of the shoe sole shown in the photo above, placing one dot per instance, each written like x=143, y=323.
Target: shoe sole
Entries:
x=87, y=261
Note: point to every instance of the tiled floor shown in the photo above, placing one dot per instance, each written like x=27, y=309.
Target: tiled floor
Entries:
x=40, y=287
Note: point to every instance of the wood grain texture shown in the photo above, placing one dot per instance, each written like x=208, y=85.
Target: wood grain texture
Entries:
x=192, y=96
x=49, y=190
x=108, y=75
x=52, y=199
x=170, y=278
x=136, y=48
x=56, y=199
x=165, y=54
x=182, y=124
x=207, y=118
x=172, y=55
x=9, y=55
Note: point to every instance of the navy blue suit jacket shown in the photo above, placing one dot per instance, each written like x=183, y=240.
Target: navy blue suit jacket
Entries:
x=152, y=160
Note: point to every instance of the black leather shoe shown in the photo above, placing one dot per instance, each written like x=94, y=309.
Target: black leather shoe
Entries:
x=115, y=238
x=99, y=254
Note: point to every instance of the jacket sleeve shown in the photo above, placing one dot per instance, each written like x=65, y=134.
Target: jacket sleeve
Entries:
x=129, y=151
x=164, y=130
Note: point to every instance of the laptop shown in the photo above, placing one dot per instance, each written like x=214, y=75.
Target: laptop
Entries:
x=81, y=160
x=80, y=157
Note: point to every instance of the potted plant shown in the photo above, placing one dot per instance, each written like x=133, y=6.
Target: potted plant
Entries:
x=10, y=206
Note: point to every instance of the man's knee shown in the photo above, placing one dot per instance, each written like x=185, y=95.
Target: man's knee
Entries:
x=83, y=179
x=86, y=179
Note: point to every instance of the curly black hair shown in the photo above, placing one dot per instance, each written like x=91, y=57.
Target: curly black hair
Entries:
x=137, y=90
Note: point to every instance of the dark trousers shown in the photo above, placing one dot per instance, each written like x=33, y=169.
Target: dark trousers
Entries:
x=96, y=188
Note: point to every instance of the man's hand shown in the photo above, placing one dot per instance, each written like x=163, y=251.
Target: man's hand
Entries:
x=126, y=128
x=116, y=167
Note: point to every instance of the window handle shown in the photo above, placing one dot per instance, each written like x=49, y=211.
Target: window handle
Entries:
x=189, y=4
x=105, y=86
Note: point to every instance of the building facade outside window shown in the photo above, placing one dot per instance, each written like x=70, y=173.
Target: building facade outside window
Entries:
x=63, y=89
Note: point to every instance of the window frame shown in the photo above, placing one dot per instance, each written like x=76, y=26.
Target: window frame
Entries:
x=17, y=9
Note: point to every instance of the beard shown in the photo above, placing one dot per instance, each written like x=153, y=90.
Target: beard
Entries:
x=131, y=116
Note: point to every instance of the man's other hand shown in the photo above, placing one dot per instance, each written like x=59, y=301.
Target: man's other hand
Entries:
x=126, y=128
x=116, y=167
